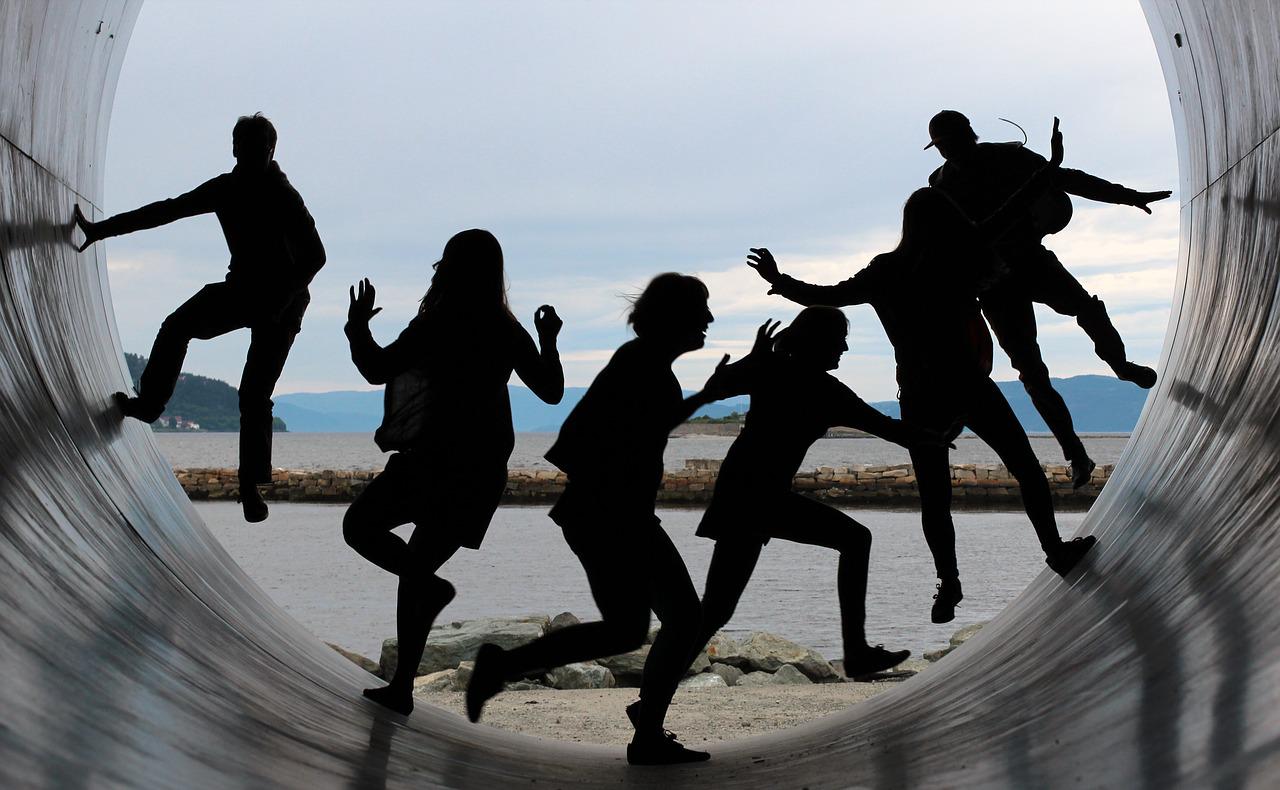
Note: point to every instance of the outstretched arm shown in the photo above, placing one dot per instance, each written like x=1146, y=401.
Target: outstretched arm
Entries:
x=1078, y=182
x=201, y=200
x=855, y=290
x=541, y=370
x=854, y=412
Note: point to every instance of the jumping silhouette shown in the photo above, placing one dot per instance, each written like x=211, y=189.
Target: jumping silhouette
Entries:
x=448, y=414
x=611, y=448
x=275, y=252
x=794, y=401
x=982, y=176
x=925, y=294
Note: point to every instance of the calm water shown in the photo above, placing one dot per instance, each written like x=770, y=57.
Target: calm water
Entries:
x=299, y=558
x=357, y=450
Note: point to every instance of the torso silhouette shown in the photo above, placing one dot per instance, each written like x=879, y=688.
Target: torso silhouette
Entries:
x=616, y=435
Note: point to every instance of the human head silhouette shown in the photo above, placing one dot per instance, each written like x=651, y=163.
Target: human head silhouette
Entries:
x=672, y=312
x=469, y=276
x=951, y=133
x=816, y=338
x=253, y=141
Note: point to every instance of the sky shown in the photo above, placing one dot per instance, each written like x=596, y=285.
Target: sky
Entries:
x=605, y=142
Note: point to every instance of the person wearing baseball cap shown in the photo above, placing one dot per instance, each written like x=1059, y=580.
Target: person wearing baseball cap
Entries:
x=980, y=177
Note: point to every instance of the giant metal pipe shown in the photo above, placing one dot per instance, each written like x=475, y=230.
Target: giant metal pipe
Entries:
x=133, y=652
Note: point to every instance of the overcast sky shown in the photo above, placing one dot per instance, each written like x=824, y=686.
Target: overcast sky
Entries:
x=605, y=142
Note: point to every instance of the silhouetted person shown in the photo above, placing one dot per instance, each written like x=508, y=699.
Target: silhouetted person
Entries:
x=448, y=413
x=925, y=294
x=794, y=401
x=611, y=448
x=275, y=251
x=980, y=177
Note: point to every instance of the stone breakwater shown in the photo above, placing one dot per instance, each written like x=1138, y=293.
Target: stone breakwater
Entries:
x=978, y=485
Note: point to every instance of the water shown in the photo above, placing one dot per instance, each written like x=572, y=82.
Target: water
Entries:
x=357, y=450
x=299, y=558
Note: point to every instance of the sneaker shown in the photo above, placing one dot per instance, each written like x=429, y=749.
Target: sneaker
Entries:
x=945, y=600
x=1082, y=471
x=661, y=750
x=870, y=660
x=255, y=507
x=1141, y=375
x=134, y=407
x=633, y=716
x=391, y=699
x=486, y=679
x=1067, y=555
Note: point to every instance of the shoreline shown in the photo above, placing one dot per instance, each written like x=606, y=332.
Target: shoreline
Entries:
x=988, y=486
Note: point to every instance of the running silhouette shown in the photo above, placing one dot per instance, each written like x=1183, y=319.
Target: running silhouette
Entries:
x=982, y=176
x=275, y=251
x=448, y=414
x=925, y=294
x=794, y=401
x=611, y=448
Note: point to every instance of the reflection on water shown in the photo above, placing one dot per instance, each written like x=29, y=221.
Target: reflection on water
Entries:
x=299, y=558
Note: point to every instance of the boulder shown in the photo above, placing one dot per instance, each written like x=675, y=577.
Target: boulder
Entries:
x=435, y=681
x=364, y=662
x=452, y=643
x=706, y=680
x=581, y=676
x=934, y=655
x=627, y=665
x=756, y=679
x=912, y=665
x=788, y=675
x=563, y=620
x=699, y=665
x=964, y=634
x=724, y=649
x=769, y=652
x=523, y=685
x=727, y=672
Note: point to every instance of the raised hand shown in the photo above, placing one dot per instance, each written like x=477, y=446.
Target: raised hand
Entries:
x=717, y=387
x=1055, y=145
x=547, y=323
x=762, y=261
x=362, y=309
x=1144, y=198
x=90, y=233
x=764, y=337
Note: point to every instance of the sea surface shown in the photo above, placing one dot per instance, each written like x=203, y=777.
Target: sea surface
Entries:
x=357, y=450
x=299, y=558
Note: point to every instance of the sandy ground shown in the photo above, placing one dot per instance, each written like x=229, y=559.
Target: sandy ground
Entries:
x=698, y=716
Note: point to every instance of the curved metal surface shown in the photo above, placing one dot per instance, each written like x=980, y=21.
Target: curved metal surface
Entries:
x=134, y=653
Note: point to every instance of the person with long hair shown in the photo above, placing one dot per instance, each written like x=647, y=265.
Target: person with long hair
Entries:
x=794, y=402
x=448, y=414
x=611, y=448
x=925, y=293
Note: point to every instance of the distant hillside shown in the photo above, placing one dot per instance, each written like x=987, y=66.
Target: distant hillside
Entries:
x=198, y=403
x=1098, y=404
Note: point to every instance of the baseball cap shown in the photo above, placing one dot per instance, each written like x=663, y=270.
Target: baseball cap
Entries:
x=947, y=124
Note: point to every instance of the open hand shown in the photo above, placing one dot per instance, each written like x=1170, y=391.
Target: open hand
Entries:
x=362, y=309
x=1150, y=197
x=762, y=261
x=717, y=387
x=90, y=233
x=1055, y=145
x=764, y=337
x=546, y=322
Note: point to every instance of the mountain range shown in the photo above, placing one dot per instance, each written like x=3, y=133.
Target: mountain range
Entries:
x=1098, y=403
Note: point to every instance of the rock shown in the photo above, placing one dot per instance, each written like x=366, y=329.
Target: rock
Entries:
x=934, y=655
x=788, y=675
x=699, y=665
x=913, y=665
x=756, y=679
x=523, y=685
x=627, y=665
x=435, y=681
x=452, y=643
x=462, y=676
x=729, y=673
x=581, y=676
x=769, y=652
x=964, y=634
x=726, y=650
x=563, y=620
x=364, y=662
x=706, y=680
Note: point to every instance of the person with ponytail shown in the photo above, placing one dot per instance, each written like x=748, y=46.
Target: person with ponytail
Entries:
x=794, y=402
x=448, y=417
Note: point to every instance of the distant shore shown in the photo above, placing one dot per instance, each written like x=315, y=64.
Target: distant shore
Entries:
x=890, y=485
